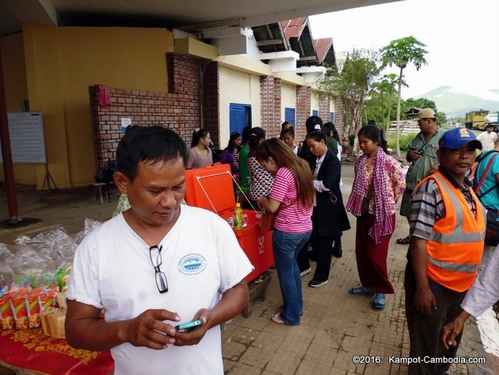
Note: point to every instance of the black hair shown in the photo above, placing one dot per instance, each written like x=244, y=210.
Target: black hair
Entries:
x=256, y=134
x=375, y=134
x=317, y=135
x=331, y=128
x=148, y=143
x=230, y=145
x=290, y=130
x=283, y=125
x=197, y=135
x=130, y=127
x=311, y=122
x=246, y=133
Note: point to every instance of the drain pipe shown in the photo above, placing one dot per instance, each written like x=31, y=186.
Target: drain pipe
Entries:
x=8, y=166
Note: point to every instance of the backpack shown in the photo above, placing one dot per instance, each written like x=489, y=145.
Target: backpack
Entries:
x=492, y=228
x=477, y=184
x=105, y=175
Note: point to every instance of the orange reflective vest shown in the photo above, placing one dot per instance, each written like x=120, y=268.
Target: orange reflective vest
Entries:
x=455, y=246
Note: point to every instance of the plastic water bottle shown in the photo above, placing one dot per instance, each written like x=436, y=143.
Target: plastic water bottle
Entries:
x=238, y=217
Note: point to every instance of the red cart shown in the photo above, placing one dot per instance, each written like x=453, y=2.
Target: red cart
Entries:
x=212, y=188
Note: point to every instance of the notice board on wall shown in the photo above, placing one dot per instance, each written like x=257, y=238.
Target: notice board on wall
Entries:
x=27, y=140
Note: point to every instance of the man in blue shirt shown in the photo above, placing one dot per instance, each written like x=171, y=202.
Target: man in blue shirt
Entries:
x=489, y=191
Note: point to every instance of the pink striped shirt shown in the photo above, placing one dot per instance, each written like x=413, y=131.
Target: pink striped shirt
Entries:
x=295, y=218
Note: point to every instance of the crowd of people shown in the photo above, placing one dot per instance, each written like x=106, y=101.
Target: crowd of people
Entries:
x=301, y=183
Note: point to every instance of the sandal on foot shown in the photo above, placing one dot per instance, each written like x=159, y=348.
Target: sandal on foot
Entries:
x=361, y=291
x=276, y=318
x=379, y=301
x=404, y=241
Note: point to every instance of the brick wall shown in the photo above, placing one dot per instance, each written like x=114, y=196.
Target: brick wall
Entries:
x=211, y=100
x=324, y=107
x=270, y=105
x=276, y=130
x=303, y=97
x=338, y=116
x=178, y=109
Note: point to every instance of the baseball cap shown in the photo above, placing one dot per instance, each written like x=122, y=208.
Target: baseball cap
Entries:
x=311, y=122
x=457, y=138
x=425, y=113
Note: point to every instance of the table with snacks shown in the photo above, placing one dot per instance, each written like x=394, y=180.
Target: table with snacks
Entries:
x=36, y=353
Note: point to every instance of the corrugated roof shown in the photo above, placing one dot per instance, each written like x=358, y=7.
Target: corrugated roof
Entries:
x=270, y=38
x=295, y=34
x=294, y=28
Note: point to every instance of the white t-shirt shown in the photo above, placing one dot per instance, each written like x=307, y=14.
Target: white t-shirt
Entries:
x=485, y=289
x=488, y=140
x=202, y=259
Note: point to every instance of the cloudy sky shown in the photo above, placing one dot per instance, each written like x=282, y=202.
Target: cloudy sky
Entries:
x=461, y=37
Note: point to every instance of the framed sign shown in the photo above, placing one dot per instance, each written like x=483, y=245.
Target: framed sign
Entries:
x=27, y=140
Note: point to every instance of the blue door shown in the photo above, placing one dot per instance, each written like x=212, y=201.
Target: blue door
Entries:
x=315, y=112
x=239, y=117
x=289, y=115
x=331, y=117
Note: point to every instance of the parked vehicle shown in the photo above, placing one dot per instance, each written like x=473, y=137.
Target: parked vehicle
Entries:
x=476, y=119
x=492, y=119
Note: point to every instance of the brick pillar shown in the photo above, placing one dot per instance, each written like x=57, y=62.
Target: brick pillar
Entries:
x=303, y=97
x=338, y=116
x=211, y=101
x=276, y=129
x=267, y=105
x=324, y=107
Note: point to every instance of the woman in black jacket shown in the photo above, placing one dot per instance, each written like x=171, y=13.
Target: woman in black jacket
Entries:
x=329, y=217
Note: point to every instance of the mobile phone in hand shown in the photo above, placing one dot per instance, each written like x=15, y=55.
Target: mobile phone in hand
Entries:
x=188, y=326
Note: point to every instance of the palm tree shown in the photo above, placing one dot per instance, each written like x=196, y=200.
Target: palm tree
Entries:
x=401, y=52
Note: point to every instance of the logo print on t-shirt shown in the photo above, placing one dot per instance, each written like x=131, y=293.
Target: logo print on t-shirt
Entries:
x=192, y=264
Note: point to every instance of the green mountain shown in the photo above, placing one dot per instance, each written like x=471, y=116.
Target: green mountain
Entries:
x=456, y=102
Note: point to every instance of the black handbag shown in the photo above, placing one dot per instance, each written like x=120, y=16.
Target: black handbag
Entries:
x=492, y=229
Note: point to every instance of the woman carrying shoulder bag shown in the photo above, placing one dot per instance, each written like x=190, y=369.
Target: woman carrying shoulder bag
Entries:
x=329, y=217
x=292, y=197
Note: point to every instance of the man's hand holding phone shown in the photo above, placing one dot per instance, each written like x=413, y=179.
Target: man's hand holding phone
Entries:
x=186, y=327
x=191, y=333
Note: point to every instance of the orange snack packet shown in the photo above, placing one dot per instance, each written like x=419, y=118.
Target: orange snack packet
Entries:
x=33, y=307
x=6, y=315
x=18, y=304
x=49, y=297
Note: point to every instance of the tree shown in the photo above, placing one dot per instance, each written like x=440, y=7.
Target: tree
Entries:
x=417, y=103
x=424, y=103
x=379, y=107
x=351, y=83
x=401, y=52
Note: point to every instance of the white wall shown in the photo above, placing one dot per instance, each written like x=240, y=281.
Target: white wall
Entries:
x=314, y=102
x=237, y=87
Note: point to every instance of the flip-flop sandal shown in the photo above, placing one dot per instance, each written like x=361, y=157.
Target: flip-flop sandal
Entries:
x=276, y=318
x=404, y=241
x=379, y=301
x=361, y=291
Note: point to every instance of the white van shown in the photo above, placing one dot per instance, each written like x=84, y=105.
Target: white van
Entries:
x=491, y=118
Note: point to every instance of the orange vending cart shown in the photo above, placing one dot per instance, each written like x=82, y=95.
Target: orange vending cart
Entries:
x=212, y=188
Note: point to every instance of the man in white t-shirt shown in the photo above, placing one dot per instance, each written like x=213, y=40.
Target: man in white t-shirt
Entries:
x=488, y=138
x=154, y=266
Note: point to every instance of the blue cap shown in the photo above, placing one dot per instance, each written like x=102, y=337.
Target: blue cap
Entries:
x=458, y=138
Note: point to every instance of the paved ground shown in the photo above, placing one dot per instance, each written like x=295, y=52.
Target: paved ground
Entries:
x=336, y=327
